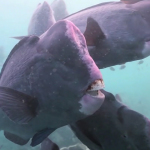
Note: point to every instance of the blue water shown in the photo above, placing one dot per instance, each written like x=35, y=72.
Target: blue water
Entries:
x=131, y=83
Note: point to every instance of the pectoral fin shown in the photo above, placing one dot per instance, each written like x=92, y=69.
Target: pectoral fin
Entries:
x=15, y=139
x=41, y=136
x=19, y=107
x=19, y=37
x=93, y=32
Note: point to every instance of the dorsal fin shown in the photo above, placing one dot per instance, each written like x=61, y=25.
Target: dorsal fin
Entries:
x=130, y=1
x=93, y=32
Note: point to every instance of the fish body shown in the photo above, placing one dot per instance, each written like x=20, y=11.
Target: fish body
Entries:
x=114, y=127
x=46, y=83
x=115, y=32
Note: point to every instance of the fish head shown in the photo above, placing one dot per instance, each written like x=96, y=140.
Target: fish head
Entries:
x=74, y=76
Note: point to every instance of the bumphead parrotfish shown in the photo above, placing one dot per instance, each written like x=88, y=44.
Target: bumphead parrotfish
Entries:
x=48, y=82
x=114, y=127
x=115, y=32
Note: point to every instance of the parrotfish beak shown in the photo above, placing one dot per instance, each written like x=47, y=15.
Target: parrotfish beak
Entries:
x=93, y=99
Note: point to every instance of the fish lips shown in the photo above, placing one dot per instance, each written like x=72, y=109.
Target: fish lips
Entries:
x=90, y=103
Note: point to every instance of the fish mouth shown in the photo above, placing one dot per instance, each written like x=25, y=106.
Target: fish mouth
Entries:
x=94, y=89
x=93, y=98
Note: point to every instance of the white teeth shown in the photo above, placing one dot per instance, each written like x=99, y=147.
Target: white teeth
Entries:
x=90, y=104
x=97, y=85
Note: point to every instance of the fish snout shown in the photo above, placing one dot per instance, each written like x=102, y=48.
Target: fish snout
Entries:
x=93, y=99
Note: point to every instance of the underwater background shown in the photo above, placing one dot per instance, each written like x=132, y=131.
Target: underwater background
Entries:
x=131, y=82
